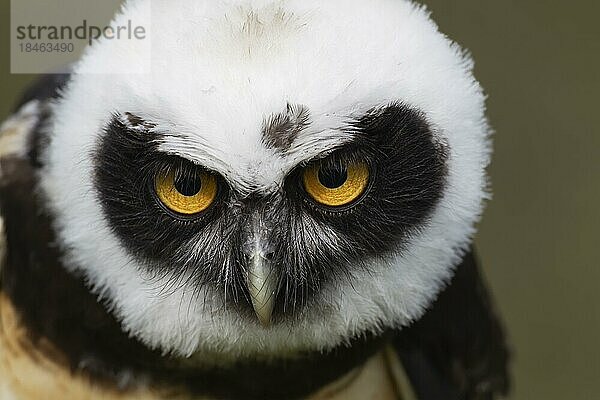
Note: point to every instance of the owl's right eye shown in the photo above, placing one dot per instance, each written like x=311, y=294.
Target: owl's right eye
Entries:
x=186, y=192
x=336, y=185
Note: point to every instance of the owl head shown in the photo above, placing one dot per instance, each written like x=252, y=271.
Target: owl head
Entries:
x=269, y=177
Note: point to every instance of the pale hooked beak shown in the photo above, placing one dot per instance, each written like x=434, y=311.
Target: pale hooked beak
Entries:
x=262, y=280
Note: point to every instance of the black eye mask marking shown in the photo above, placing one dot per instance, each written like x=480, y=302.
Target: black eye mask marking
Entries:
x=127, y=163
x=311, y=244
x=407, y=178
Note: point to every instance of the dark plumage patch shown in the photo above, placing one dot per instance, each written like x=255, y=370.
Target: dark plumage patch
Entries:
x=46, y=87
x=458, y=350
x=136, y=121
x=408, y=172
x=280, y=130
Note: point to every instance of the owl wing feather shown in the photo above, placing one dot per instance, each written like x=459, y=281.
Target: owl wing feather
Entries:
x=458, y=350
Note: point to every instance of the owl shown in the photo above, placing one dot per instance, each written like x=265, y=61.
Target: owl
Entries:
x=262, y=199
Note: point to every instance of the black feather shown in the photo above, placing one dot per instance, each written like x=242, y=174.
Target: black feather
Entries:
x=458, y=350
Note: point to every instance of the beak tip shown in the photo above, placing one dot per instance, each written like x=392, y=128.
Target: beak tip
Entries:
x=264, y=311
x=262, y=286
x=264, y=322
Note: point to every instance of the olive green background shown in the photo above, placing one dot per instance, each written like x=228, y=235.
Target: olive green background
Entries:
x=540, y=65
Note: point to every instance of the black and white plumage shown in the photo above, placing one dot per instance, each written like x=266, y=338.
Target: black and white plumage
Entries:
x=255, y=93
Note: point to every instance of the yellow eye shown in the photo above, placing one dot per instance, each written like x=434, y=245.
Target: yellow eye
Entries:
x=189, y=194
x=337, y=185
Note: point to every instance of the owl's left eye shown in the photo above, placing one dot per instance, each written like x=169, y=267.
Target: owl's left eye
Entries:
x=336, y=185
x=186, y=192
